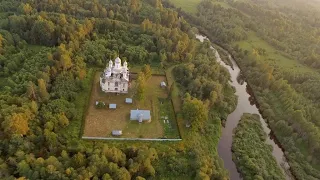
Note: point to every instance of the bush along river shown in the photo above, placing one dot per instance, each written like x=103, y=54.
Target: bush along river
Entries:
x=246, y=104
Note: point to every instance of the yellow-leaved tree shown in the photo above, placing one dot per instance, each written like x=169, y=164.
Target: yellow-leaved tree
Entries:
x=20, y=123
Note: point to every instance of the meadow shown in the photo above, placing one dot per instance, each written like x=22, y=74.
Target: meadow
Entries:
x=156, y=69
x=190, y=6
x=276, y=58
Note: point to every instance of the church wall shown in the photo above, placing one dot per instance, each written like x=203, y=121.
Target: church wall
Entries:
x=110, y=87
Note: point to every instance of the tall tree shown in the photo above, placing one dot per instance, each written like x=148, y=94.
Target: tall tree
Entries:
x=31, y=90
x=111, y=14
x=65, y=62
x=134, y=5
x=43, y=31
x=44, y=95
x=19, y=123
x=26, y=8
x=146, y=69
x=140, y=87
x=195, y=112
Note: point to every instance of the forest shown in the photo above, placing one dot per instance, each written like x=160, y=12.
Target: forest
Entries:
x=251, y=154
x=49, y=51
x=276, y=44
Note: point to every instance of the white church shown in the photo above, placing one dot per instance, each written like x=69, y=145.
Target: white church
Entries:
x=115, y=78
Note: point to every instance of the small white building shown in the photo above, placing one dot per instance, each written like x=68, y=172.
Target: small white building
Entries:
x=115, y=78
x=112, y=106
x=116, y=132
x=163, y=84
x=129, y=100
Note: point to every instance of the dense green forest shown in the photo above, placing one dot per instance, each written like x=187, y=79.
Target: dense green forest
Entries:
x=251, y=154
x=49, y=51
x=276, y=44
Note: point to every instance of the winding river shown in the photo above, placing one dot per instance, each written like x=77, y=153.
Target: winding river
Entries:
x=246, y=104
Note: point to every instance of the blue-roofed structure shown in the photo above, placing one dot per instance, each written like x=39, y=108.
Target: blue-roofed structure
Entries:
x=140, y=115
x=112, y=106
x=129, y=100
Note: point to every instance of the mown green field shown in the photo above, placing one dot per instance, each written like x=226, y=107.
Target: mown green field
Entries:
x=190, y=6
x=155, y=69
x=272, y=56
x=187, y=5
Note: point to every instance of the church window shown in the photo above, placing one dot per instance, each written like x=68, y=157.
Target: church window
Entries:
x=108, y=83
x=116, y=84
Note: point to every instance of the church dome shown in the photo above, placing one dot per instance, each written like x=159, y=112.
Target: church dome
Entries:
x=117, y=60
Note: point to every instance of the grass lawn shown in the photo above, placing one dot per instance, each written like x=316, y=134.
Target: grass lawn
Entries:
x=175, y=94
x=177, y=103
x=187, y=5
x=168, y=119
x=101, y=122
x=190, y=6
x=155, y=69
x=273, y=56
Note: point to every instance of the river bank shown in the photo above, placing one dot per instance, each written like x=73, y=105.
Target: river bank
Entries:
x=246, y=104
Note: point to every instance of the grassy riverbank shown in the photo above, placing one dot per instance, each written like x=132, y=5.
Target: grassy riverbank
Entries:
x=223, y=54
x=281, y=68
x=251, y=154
x=264, y=51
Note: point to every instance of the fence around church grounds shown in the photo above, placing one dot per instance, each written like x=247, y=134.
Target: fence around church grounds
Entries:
x=128, y=139
x=134, y=139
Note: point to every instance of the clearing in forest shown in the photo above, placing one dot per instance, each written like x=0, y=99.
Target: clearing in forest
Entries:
x=191, y=6
x=101, y=122
x=274, y=57
x=187, y=5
